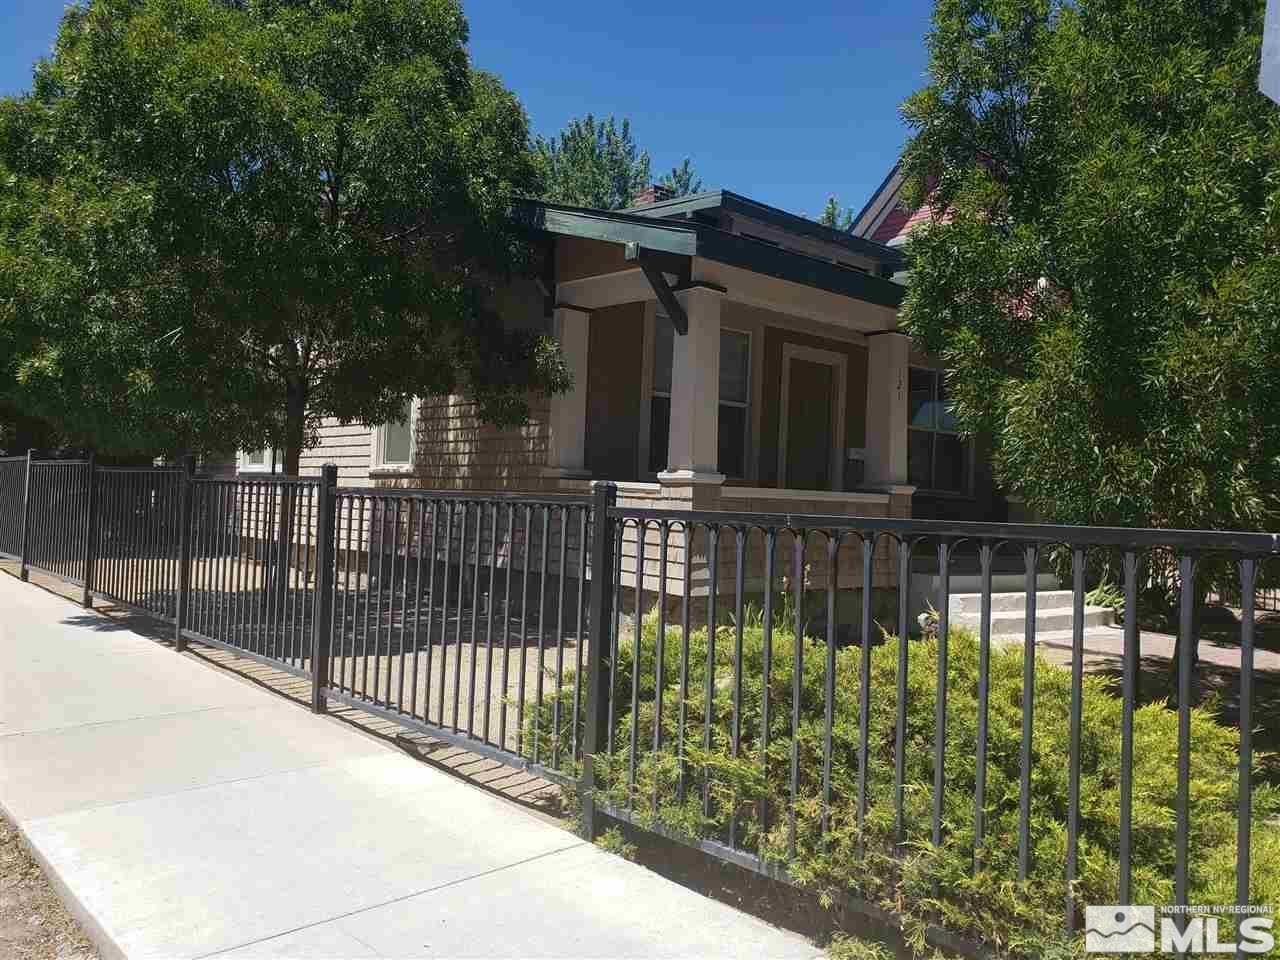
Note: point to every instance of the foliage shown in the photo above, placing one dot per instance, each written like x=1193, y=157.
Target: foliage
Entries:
x=612, y=841
x=222, y=222
x=835, y=216
x=1106, y=594
x=593, y=164
x=843, y=947
x=1100, y=271
x=682, y=180
x=753, y=798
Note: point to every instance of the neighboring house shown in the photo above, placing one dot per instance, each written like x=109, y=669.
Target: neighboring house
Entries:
x=726, y=355
x=885, y=218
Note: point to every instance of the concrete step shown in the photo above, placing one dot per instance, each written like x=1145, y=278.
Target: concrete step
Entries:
x=962, y=603
x=972, y=583
x=1007, y=623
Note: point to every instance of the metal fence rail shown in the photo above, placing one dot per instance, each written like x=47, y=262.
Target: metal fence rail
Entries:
x=136, y=529
x=463, y=615
x=56, y=537
x=252, y=568
x=831, y=771
x=730, y=680
x=13, y=479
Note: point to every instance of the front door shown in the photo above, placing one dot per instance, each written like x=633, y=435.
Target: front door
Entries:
x=810, y=443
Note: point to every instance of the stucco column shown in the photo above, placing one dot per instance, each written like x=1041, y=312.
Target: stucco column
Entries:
x=566, y=453
x=693, y=442
x=888, y=371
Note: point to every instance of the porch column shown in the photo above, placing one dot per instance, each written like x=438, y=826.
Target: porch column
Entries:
x=566, y=453
x=888, y=370
x=693, y=442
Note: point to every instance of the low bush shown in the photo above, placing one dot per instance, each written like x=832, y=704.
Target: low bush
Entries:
x=749, y=801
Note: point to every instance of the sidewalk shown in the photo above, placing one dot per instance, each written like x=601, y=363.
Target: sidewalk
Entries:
x=185, y=813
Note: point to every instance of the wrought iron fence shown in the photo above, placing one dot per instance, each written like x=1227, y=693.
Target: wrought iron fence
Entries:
x=252, y=568
x=737, y=682
x=13, y=480
x=461, y=614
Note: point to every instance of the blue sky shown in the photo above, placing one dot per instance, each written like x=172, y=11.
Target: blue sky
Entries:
x=786, y=103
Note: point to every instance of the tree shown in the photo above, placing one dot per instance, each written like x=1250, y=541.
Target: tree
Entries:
x=682, y=180
x=835, y=217
x=222, y=222
x=593, y=164
x=1100, y=272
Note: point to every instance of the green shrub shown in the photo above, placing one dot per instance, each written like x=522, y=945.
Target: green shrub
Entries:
x=924, y=882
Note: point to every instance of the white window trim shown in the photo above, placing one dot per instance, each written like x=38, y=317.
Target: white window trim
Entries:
x=967, y=492
x=269, y=463
x=795, y=351
x=376, y=464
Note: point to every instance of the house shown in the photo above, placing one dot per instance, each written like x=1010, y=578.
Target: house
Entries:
x=726, y=355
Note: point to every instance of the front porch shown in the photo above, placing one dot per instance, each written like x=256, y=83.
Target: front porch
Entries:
x=705, y=385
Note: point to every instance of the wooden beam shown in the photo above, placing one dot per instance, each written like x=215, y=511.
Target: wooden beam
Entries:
x=658, y=280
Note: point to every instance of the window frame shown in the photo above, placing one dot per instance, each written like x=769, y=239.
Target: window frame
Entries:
x=650, y=364
x=745, y=405
x=271, y=459
x=935, y=397
x=377, y=462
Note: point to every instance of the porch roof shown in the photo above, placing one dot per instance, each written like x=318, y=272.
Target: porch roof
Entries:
x=690, y=238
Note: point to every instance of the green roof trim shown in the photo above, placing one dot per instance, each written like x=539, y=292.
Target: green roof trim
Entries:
x=607, y=226
x=791, y=222
x=694, y=239
x=758, y=257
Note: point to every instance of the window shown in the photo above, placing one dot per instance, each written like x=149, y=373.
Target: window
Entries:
x=735, y=399
x=393, y=442
x=938, y=458
x=265, y=460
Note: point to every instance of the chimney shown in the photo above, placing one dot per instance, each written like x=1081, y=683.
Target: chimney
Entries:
x=654, y=193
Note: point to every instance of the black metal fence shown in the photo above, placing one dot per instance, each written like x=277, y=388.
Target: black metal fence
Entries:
x=733, y=681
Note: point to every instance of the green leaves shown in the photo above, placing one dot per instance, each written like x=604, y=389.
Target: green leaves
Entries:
x=1100, y=274
x=223, y=223
x=682, y=180
x=593, y=164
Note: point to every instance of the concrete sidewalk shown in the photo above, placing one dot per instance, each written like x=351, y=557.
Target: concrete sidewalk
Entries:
x=185, y=813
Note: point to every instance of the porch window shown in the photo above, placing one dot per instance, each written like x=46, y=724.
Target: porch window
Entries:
x=393, y=442
x=734, y=395
x=938, y=458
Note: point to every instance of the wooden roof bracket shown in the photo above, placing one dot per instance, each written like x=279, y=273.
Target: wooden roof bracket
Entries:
x=658, y=280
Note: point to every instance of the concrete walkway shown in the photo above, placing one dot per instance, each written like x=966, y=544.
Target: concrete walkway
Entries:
x=185, y=813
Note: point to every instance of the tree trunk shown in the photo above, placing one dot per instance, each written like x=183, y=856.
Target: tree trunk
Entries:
x=294, y=426
x=286, y=551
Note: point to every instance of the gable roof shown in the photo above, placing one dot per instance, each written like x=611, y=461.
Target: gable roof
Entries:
x=883, y=218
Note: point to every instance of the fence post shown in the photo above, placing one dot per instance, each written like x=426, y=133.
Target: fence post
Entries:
x=604, y=496
x=322, y=622
x=23, y=573
x=90, y=532
x=186, y=500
